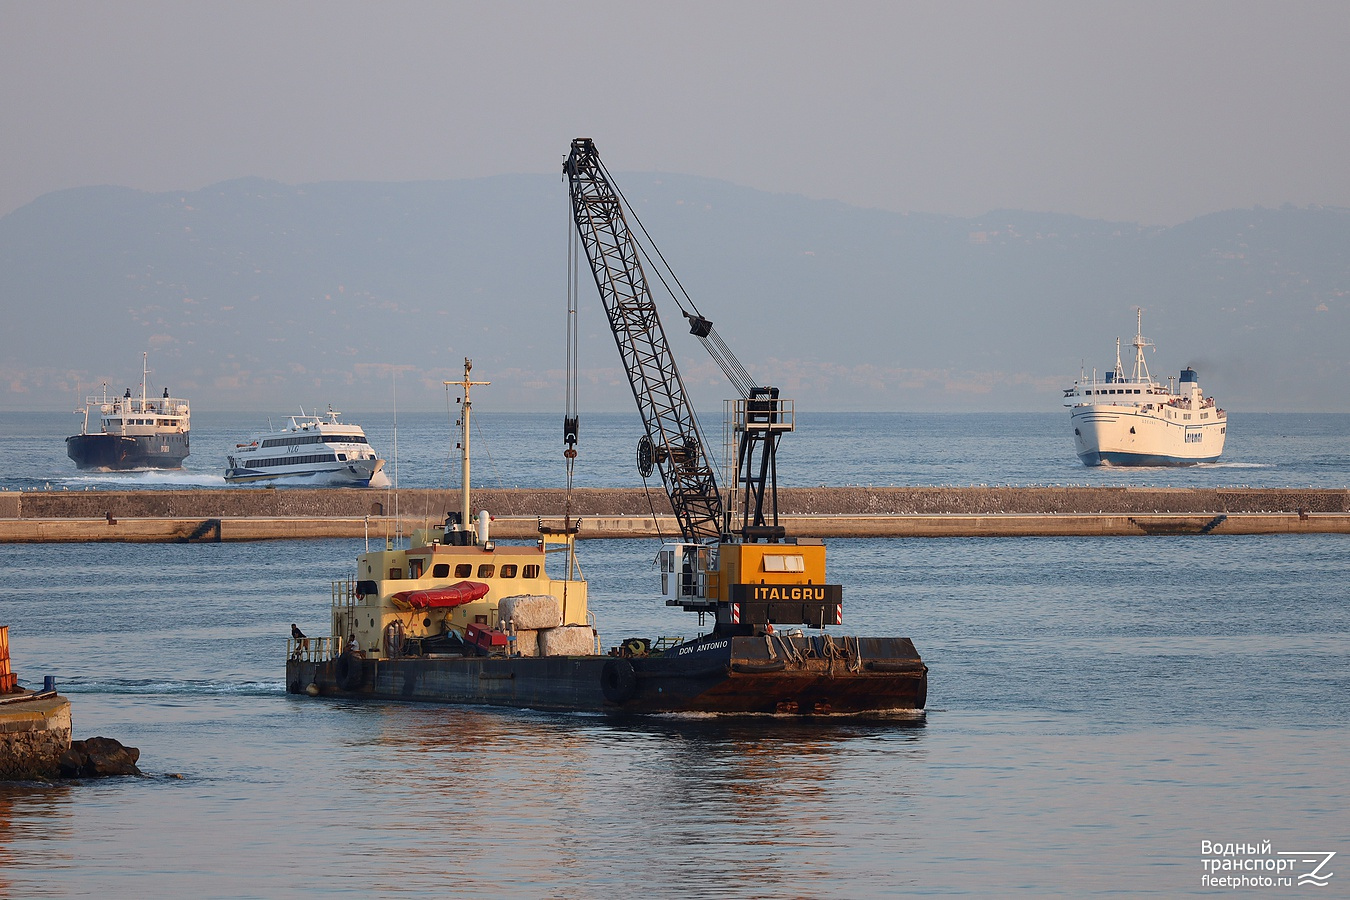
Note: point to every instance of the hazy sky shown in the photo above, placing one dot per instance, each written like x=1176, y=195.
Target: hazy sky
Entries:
x=1151, y=112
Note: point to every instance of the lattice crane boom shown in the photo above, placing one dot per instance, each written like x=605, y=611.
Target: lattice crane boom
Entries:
x=673, y=442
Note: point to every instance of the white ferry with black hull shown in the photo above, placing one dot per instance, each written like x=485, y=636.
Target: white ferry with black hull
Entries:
x=1136, y=421
x=309, y=446
x=128, y=433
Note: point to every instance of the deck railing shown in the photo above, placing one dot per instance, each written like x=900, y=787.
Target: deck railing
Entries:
x=311, y=649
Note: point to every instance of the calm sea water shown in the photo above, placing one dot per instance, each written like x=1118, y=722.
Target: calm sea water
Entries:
x=525, y=450
x=1098, y=707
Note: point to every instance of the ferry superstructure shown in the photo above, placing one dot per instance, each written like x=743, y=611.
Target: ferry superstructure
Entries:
x=308, y=446
x=131, y=432
x=1136, y=421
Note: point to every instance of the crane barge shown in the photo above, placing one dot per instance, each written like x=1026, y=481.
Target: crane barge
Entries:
x=457, y=617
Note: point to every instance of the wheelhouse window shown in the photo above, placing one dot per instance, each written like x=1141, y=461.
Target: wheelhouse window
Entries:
x=784, y=563
x=463, y=570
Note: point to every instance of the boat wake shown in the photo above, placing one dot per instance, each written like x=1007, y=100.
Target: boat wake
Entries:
x=910, y=716
x=318, y=479
x=172, y=687
x=1197, y=467
x=143, y=479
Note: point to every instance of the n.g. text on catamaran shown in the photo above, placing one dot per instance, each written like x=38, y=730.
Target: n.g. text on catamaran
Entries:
x=310, y=446
x=1137, y=421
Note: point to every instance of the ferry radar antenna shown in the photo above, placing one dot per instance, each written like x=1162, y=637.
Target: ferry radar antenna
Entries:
x=464, y=441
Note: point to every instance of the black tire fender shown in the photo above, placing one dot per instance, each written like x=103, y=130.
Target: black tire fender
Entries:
x=618, y=681
x=347, y=672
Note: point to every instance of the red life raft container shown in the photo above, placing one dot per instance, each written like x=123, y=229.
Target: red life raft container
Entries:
x=442, y=598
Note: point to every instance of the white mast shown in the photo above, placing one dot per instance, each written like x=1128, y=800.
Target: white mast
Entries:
x=1140, y=342
x=464, y=443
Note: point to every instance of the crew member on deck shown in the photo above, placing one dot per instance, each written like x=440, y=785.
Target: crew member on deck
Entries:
x=301, y=642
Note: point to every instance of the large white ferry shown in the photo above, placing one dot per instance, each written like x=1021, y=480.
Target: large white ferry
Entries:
x=1137, y=421
x=308, y=446
x=132, y=432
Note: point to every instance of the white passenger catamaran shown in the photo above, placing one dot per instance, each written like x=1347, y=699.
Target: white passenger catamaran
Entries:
x=309, y=446
x=1137, y=421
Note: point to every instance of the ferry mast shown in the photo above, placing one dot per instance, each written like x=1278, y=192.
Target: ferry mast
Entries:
x=1140, y=342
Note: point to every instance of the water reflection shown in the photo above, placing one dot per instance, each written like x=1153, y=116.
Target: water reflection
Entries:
x=697, y=800
x=1129, y=710
x=33, y=813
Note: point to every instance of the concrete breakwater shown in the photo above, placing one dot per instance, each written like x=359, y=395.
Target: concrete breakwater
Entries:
x=266, y=514
x=34, y=734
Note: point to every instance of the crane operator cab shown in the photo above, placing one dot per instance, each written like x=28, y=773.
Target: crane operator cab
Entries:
x=685, y=572
x=751, y=586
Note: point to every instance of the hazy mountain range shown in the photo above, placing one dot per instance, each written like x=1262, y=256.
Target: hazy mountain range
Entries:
x=255, y=295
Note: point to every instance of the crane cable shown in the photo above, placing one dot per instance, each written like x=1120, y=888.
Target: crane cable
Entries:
x=571, y=417
x=651, y=504
x=700, y=326
x=662, y=270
